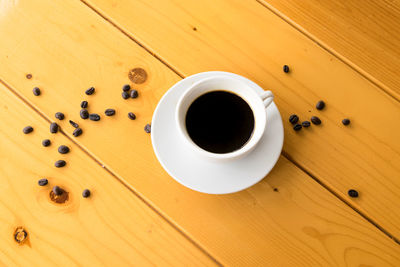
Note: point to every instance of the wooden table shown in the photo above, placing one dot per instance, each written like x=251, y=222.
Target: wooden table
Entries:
x=343, y=52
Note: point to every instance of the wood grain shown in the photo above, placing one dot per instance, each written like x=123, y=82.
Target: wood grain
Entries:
x=300, y=224
x=245, y=38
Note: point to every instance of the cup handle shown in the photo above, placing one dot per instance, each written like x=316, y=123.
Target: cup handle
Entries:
x=267, y=97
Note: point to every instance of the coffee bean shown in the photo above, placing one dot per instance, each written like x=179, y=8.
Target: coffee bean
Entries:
x=29, y=76
x=77, y=132
x=306, y=124
x=57, y=190
x=63, y=149
x=36, y=91
x=43, y=182
x=90, y=91
x=285, y=68
x=84, y=104
x=134, y=93
x=131, y=116
x=125, y=95
x=53, y=127
x=110, y=112
x=84, y=114
x=293, y=119
x=352, y=193
x=297, y=127
x=86, y=193
x=46, y=142
x=60, y=163
x=94, y=117
x=59, y=116
x=346, y=122
x=147, y=128
x=126, y=88
x=27, y=129
x=74, y=124
x=315, y=120
x=320, y=105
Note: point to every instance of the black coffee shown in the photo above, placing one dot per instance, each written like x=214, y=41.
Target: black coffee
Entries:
x=220, y=122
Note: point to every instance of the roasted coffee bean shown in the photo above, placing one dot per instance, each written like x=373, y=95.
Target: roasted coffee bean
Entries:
x=126, y=88
x=297, y=127
x=27, y=129
x=84, y=114
x=131, y=116
x=43, y=182
x=134, y=93
x=60, y=116
x=86, y=193
x=306, y=124
x=315, y=120
x=60, y=163
x=110, y=112
x=94, y=117
x=84, y=104
x=77, y=132
x=320, y=105
x=53, y=127
x=346, y=122
x=90, y=91
x=29, y=76
x=352, y=193
x=63, y=149
x=125, y=95
x=36, y=91
x=46, y=142
x=57, y=190
x=293, y=119
x=147, y=128
x=285, y=68
x=74, y=124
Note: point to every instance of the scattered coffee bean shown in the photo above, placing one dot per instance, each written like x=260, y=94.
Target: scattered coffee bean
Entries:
x=57, y=190
x=74, y=124
x=84, y=114
x=53, y=127
x=36, y=91
x=60, y=163
x=315, y=120
x=352, y=193
x=285, y=68
x=29, y=76
x=63, y=149
x=126, y=88
x=346, y=122
x=90, y=91
x=134, y=93
x=60, y=116
x=43, y=182
x=86, y=193
x=27, y=129
x=84, y=104
x=131, y=116
x=297, y=127
x=77, y=132
x=320, y=105
x=147, y=128
x=293, y=119
x=46, y=142
x=125, y=95
x=306, y=124
x=110, y=112
x=94, y=117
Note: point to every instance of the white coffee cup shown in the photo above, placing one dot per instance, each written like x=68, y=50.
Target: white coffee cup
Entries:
x=257, y=102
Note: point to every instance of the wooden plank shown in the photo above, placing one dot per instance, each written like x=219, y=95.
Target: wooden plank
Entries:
x=365, y=33
x=245, y=38
x=111, y=227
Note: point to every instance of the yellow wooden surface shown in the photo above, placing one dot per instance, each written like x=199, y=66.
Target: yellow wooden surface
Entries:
x=112, y=227
x=67, y=48
x=246, y=38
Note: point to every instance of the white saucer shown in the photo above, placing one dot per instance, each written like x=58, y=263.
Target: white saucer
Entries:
x=191, y=170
